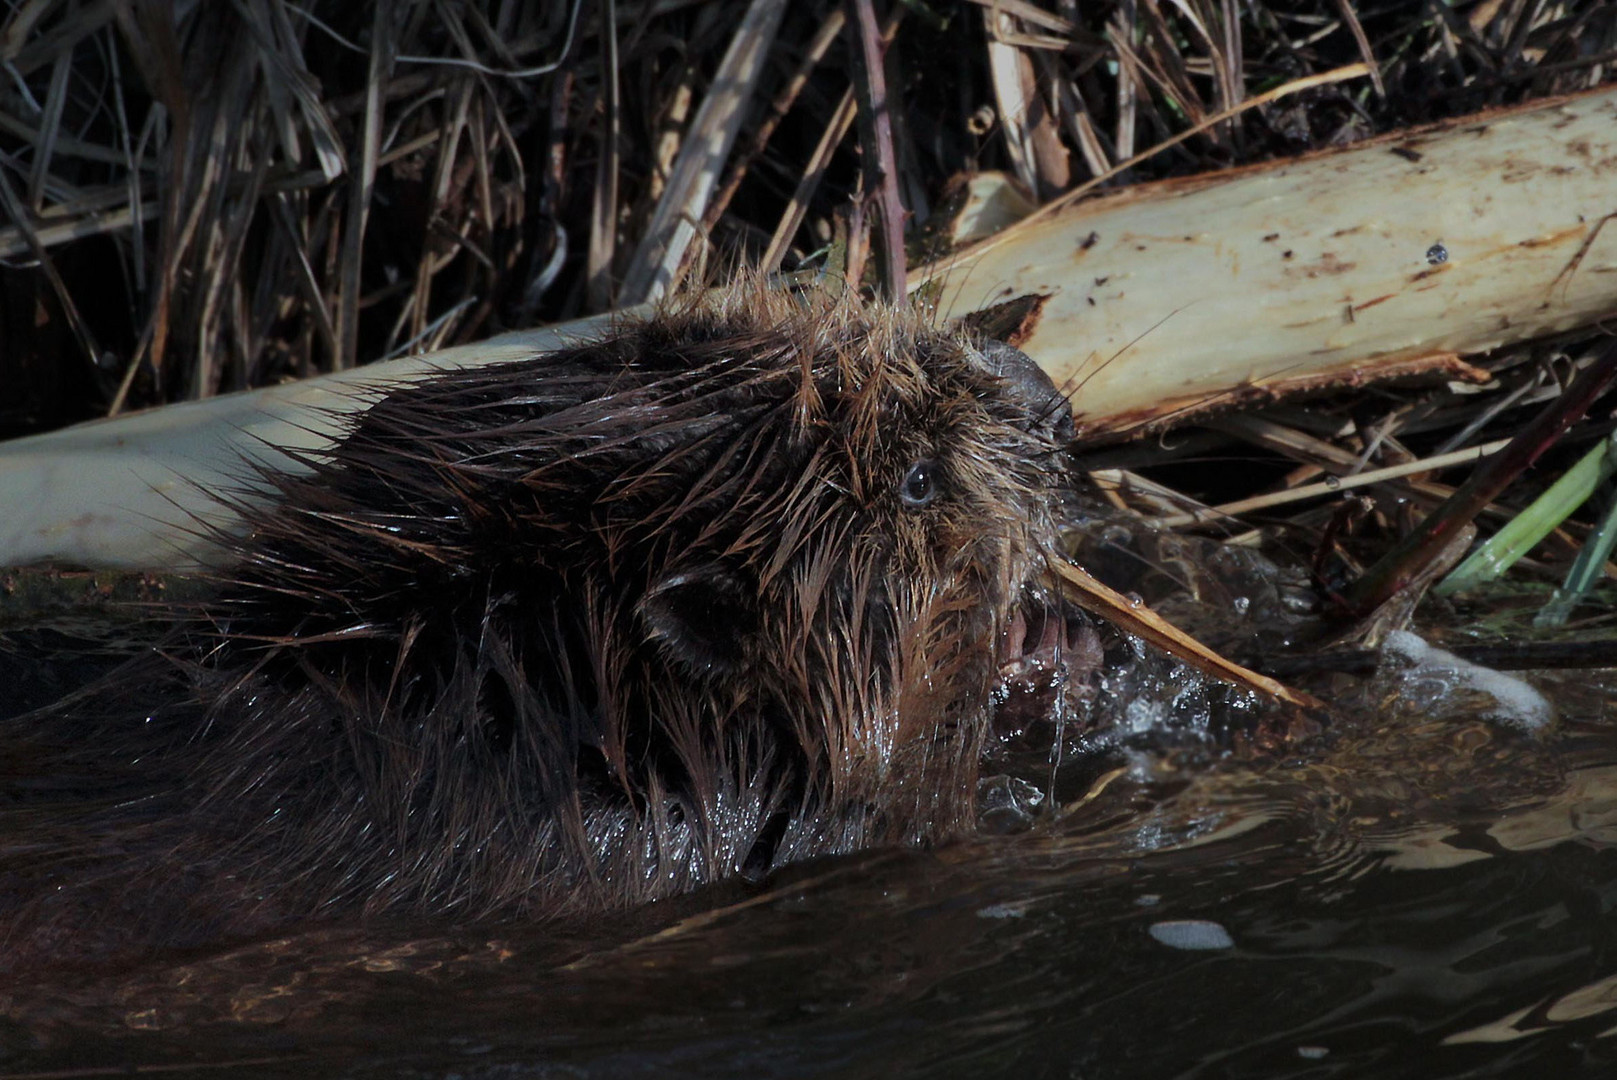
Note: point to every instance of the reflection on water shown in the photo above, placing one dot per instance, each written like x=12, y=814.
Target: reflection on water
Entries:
x=1421, y=899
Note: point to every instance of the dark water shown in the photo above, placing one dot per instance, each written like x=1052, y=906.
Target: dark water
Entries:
x=1427, y=892
x=1435, y=901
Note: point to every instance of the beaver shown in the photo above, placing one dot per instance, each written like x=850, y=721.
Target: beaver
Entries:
x=730, y=587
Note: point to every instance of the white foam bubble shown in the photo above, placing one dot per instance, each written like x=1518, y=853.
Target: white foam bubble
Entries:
x=1519, y=705
x=1192, y=934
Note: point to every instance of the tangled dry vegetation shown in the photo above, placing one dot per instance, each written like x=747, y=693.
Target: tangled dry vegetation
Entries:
x=199, y=197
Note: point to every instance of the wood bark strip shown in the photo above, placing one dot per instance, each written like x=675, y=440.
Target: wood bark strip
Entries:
x=1384, y=258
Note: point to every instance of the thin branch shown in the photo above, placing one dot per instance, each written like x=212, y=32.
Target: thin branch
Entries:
x=876, y=139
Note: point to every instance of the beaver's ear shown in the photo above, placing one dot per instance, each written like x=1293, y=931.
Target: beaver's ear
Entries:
x=702, y=616
x=1031, y=388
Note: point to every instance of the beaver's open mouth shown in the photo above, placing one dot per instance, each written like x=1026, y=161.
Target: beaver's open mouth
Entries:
x=1049, y=653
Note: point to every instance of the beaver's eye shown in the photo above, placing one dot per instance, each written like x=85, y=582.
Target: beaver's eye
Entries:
x=920, y=485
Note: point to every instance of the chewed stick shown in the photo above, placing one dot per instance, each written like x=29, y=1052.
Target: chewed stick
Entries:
x=1134, y=617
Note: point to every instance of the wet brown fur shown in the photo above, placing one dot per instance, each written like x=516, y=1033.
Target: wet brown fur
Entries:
x=583, y=630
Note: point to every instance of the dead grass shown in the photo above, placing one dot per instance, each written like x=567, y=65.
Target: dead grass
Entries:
x=206, y=196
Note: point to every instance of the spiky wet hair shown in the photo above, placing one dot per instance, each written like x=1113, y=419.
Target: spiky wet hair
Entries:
x=723, y=589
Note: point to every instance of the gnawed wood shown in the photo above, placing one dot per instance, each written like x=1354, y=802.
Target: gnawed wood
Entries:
x=1376, y=260
x=1132, y=616
x=138, y=492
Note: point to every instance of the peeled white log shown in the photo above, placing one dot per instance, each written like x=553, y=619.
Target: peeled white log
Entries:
x=135, y=492
x=1246, y=283
x=1385, y=257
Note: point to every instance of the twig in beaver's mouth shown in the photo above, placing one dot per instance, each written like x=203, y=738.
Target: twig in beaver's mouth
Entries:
x=1137, y=619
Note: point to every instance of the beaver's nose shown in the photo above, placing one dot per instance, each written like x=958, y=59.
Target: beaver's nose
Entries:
x=1031, y=387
